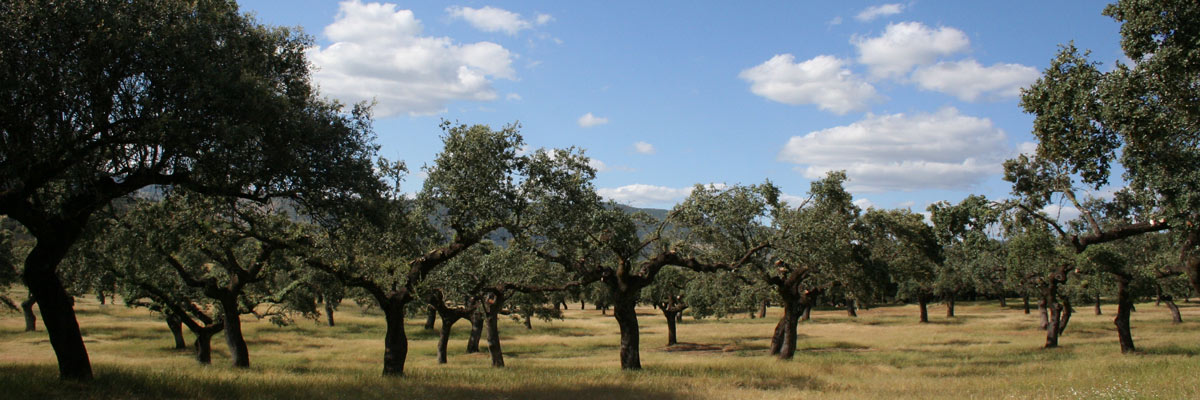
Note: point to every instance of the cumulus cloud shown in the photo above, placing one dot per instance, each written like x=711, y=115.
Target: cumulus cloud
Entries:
x=942, y=150
x=968, y=80
x=864, y=203
x=1061, y=213
x=823, y=81
x=378, y=54
x=588, y=120
x=873, y=12
x=491, y=19
x=643, y=147
x=905, y=45
x=641, y=195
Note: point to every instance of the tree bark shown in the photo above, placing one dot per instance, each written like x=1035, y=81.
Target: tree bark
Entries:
x=233, y=332
x=57, y=307
x=176, y=327
x=1175, y=316
x=625, y=312
x=444, y=337
x=670, y=315
x=395, y=341
x=791, y=317
x=950, y=307
x=1003, y=302
x=329, y=311
x=429, y=320
x=1054, y=309
x=476, y=333
x=850, y=308
x=1026, y=300
x=493, y=330
x=528, y=322
x=923, y=304
x=762, y=309
x=777, y=337
x=1044, y=314
x=807, y=313
x=1067, y=311
x=30, y=317
x=1098, y=305
x=1124, y=306
x=204, y=346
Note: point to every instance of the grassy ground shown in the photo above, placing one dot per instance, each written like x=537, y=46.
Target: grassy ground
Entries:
x=985, y=352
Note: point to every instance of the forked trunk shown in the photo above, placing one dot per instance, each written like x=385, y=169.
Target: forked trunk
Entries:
x=57, y=307
x=625, y=312
x=233, y=333
x=1054, y=309
x=395, y=341
x=30, y=317
x=1124, y=306
x=176, y=327
x=476, y=332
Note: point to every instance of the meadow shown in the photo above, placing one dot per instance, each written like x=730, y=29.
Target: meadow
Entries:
x=985, y=352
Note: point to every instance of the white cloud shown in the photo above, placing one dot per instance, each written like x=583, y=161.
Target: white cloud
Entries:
x=378, y=54
x=491, y=19
x=822, y=81
x=968, y=80
x=598, y=165
x=512, y=97
x=588, y=120
x=1027, y=148
x=543, y=19
x=1060, y=213
x=942, y=150
x=643, y=147
x=792, y=201
x=864, y=204
x=641, y=195
x=905, y=45
x=873, y=12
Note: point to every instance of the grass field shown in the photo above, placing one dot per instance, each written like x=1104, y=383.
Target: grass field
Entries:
x=985, y=352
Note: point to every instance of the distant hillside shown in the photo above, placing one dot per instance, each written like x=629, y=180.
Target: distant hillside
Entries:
x=657, y=213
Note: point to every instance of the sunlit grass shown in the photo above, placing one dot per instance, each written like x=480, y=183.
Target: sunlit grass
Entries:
x=985, y=352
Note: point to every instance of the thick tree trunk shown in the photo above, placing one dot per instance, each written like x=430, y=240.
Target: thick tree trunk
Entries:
x=30, y=317
x=762, y=309
x=493, y=330
x=395, y=341
x=57, y=307
x=444, y=337
x=233, y=333
x=1098, y=305
x=329, y=311
x=777, y=337
x=791, y=317
x=1044, y=314
x=204, y=346
x=1055, y=310
x=625, y=312
x=1124, y=306
x=176, y=327
x=1026, y=300
x=429, y=320
x=1067, y=311
x=950, y=307
x=1175, y=316
x=670, y=315
x=476, y=333
x=923, y=304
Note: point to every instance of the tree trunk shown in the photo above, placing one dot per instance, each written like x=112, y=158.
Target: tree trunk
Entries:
x=850, y=309
x=667, y=312
x=395, y=341
x=30, y=317
x=1055, y=310
x=493, y=330
x=777, y=337
x=430, y=319
x=176, y=327
x=923, y=304
x=791, y=317
x=528, y=322
x=476, y=332
x=625, y=312
x=1067, y=311
x=1026, y=300
x=1175, y=316
x=762, y=309
x=204, y=346
x=807, y=313
x=1044, y=314
x=1124, y=304
x=1098, y=305
x=233, y=333
x=1003, y=302
x=950, y=307
x=57, y=307
x=444, y=338
x=329, y=311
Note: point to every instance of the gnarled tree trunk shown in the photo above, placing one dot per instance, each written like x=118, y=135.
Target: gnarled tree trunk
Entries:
x=57, y=307
x=204, y=346
x=429, y=320
x=625, y=312
x=493, y=330
x=1124, y=306
x=30, y=317
x=176, y=327
x=476, y=332
x=233, y=332
x=1175, y=316
x=395, y=341
x=670, y=314
x=448, y=320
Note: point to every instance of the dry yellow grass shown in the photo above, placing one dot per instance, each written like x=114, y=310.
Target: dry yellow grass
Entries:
x=985, y=352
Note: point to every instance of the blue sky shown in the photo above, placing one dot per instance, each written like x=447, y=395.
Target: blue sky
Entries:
x=916, y=100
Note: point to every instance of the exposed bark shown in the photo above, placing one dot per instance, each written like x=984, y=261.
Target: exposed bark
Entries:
x=1003, y=302
x=1124, y=306
x=950, y=307
x=1175, y=316
x=1066, y=315
x=448, y=320
x=492, y=321
x=670, y=315
x=476, y=333
x=204, y=347
x=762, y=309
x=791, y=318
x=431, y=319
x=1045, y=315
x=528, y=322
x=30, y=317
x=807, y=313
x=176, y=327
x=625, y=312
x=56, y=306
x=851, y=309
x=233, y=332
x=1098, y=312
x=329, y=312
x=777, y=337
x=1025, y=299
